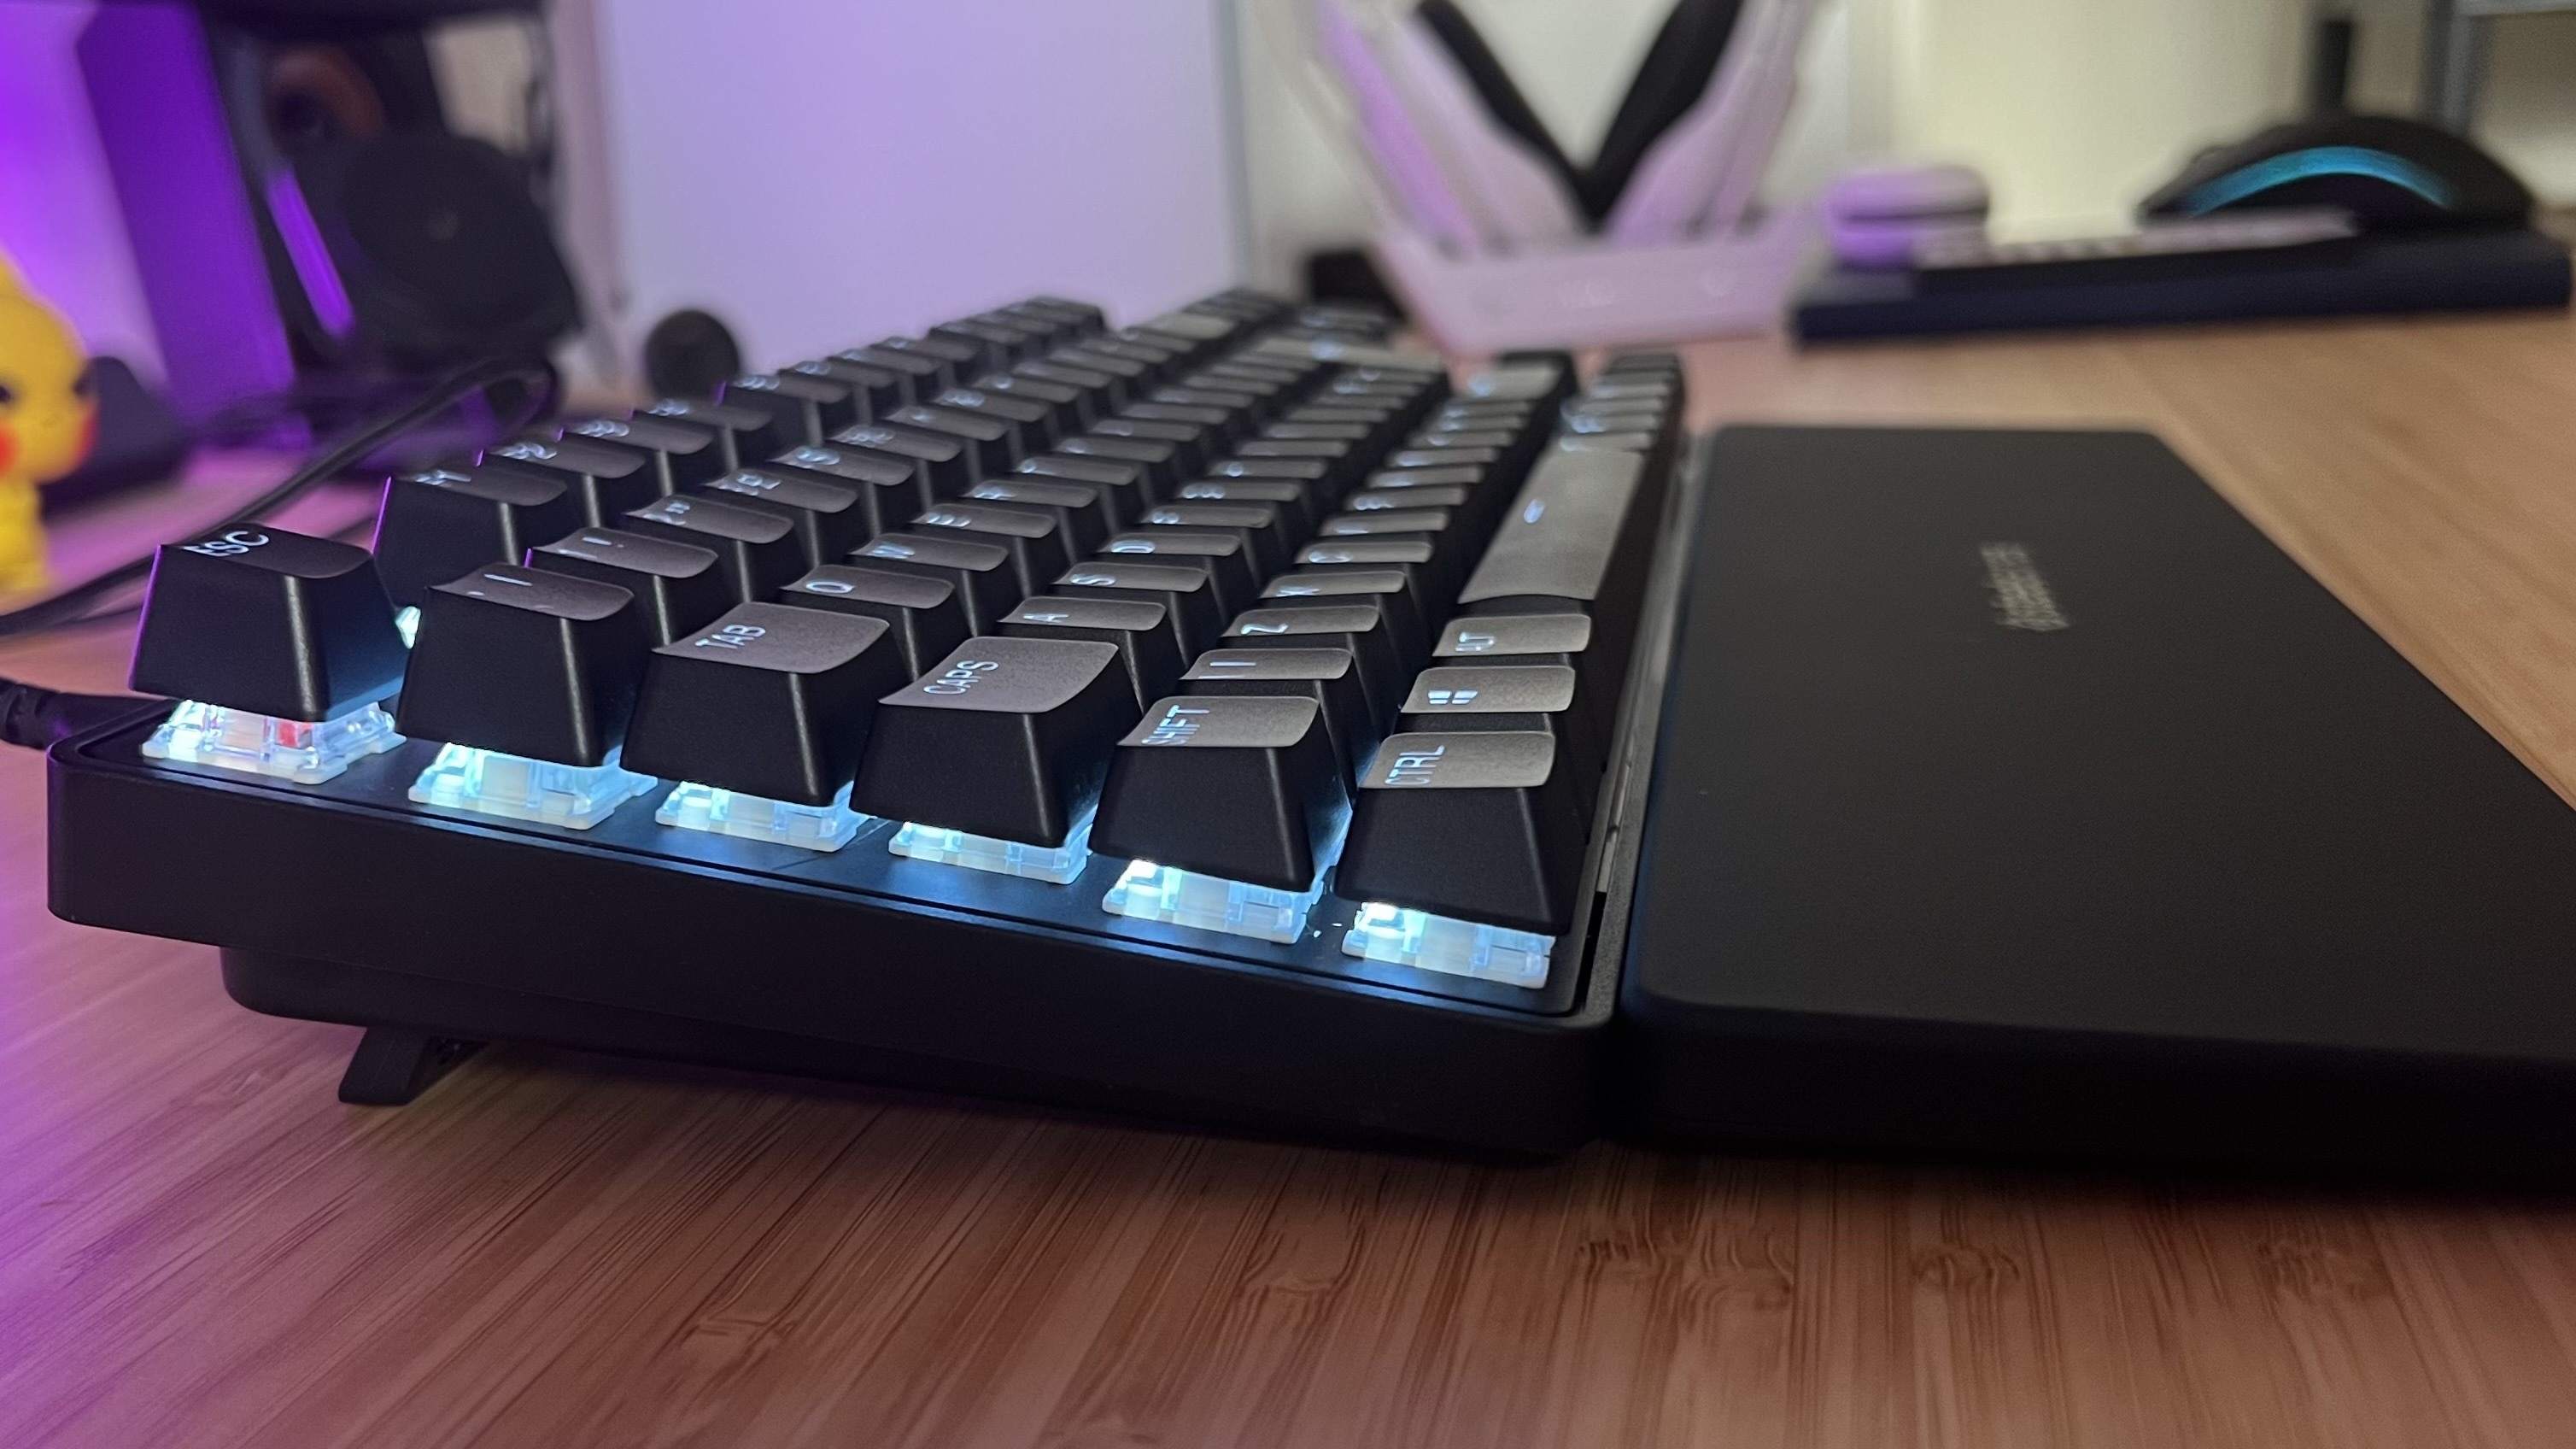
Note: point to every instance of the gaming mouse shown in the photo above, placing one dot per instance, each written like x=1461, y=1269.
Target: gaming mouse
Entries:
x=2389, y=172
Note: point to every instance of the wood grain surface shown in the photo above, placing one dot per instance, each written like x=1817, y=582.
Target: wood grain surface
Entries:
x=200, y=1247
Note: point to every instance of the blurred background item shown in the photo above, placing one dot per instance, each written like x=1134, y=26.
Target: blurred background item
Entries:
x=735, y=161
x=45, y=421
x=1876, y=216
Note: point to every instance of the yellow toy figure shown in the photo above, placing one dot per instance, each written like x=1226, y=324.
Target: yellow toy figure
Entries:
x=46, y=420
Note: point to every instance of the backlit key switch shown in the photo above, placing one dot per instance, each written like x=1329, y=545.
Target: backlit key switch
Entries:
x=994, y=758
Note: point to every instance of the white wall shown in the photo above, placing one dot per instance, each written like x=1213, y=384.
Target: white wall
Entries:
x=824, y=172
x=2076, y=108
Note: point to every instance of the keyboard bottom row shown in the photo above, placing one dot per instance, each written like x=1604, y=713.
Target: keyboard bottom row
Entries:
x=338, y=910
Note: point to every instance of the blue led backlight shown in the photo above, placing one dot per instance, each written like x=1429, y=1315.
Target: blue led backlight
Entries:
x=756, y=817
x=516, y=788
x=1403, y=937
x=1149, y=892
x=407, y=623
x=285, y=749
x=1054, y=864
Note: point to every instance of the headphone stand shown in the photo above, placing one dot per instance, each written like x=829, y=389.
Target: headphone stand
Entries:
x=1596, y=293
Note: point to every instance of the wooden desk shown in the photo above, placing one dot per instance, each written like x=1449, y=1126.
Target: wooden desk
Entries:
x=199, y=1247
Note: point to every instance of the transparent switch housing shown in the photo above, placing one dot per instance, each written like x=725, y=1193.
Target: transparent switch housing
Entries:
x=516, y=788
x=1150, y=892
x=305, y=752
x=1056, y=865
x=826, y=827
x=1403, y=937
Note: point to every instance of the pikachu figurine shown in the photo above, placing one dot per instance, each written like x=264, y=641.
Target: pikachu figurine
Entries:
x=47, y=419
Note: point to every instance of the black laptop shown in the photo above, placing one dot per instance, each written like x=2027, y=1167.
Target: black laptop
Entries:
x=2016, y=793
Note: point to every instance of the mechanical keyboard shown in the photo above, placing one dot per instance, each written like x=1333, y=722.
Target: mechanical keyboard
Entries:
x=1227, y=716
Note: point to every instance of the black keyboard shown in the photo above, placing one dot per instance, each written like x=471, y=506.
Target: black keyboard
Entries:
x=1227, y=716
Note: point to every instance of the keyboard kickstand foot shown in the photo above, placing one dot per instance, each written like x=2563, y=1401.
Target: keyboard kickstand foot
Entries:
x=390, y=1068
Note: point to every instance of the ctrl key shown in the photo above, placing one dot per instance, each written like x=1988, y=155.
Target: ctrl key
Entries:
x=1467, y=850
x=994, y=757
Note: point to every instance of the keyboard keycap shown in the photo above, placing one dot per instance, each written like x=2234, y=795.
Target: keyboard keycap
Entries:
x=1570, y=534
x=978, y=570
x=808, y=409
x=768, y=700
x=757, y=548
x=1214, y=426
x=891, y=488
x=1006, y=738
x=527, y=662
x=1083, y=317
x=918, y=378
x=1037, y=552
x=925, y=618
x=1437, y=439
x=1412, y=556
x=678, y=587
x=1482, y=827
x=1313, y=475
x=956, y=361
x=681, y=456
x=986, y=347
x=1034, y=420
x=1296, y=509
x=1149, y=653
x=1083, y=514
x=607, y=481
x=1188, y=597
x=1184, y=447
x=1242, y=788
x=1319, y=432
x=269, y=622
x=992, y=445
x=1329, y=677
x=1122, y=483
x=746, y=435
x=1102, y=393
x=1156, y=459
x=830, y=517
x=875, y=391
x=1422, y=457
x=1540, y=382
x=435, y=525
x=1547, y=638
x=1258, y=525
x=1227, y=563
x=939, y=461
x=1391, y=589
x=1360, y=629
x=1530, y=697
x=1128, y=379
x=1380, y=500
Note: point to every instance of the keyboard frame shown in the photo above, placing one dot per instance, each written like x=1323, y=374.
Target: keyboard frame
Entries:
x=344, y=903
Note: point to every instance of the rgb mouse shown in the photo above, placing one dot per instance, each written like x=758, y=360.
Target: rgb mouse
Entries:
x=2389, y=172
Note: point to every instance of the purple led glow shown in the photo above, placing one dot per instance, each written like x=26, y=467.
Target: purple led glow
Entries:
x=312, y=259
